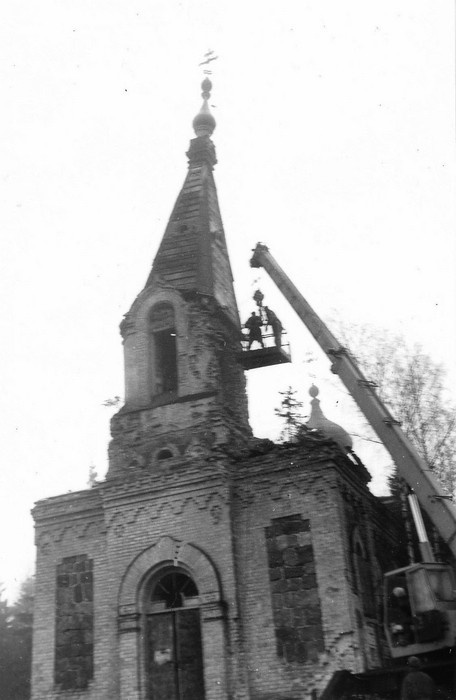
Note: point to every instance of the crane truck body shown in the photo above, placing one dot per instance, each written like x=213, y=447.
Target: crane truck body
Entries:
x=425, y=592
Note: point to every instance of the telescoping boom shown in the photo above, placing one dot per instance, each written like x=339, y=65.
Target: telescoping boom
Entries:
x=410, y=465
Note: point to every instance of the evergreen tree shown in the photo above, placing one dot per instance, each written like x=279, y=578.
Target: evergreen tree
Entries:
x=92, y=480
x=290, y=411
x=16, y=624
x=5, y=657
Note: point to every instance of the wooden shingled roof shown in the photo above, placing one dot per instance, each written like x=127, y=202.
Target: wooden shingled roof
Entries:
x=193, y=255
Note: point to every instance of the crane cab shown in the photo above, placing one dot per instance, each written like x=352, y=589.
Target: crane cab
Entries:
x=419, y=609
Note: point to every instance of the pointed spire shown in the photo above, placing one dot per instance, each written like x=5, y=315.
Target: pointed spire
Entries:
x=204, y=122
x=193, y=256
x=318, y=421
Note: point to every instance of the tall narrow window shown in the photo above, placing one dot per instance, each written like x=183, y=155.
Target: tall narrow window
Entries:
x=162, y=350
x=363, y=575
x=296, y=607
x=174, y=663
x=73, y=666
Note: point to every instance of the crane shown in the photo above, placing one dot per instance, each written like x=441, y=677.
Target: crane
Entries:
x=436, y=579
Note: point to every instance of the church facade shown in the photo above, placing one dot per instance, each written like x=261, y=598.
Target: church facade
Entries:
x=208, y=565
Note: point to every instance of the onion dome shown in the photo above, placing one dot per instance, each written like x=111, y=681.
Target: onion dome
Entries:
x=204, y=122
x=318, y=421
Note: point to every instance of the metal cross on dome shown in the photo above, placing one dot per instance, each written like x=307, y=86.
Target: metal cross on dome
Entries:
x=208, y=58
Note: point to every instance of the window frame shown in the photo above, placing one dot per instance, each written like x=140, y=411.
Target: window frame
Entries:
x=161, y=327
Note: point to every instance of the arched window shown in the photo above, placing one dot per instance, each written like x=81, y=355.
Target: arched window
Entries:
x=174, y=662
x=162, y=350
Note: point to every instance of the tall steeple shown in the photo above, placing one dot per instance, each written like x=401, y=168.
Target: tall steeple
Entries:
x=193, y=256
x=184, y=387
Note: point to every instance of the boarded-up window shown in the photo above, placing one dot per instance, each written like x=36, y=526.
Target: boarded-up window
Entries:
x=73, y=668
x=295, y=600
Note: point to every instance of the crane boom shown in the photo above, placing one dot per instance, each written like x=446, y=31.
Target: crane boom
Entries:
x=409, y=463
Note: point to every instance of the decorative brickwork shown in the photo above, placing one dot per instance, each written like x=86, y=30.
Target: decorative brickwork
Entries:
x=295, y=601
x=74, y=623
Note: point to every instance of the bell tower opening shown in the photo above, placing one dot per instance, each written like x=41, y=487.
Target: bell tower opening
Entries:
x=184, y=388
x=163, y=376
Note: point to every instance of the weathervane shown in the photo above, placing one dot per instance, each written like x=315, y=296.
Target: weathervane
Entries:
x=208, y=57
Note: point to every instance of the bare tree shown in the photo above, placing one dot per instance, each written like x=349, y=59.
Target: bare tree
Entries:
x=413, y=387
x=112, y=402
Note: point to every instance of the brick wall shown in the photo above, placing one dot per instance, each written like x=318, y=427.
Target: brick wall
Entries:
x=298, y=608
x=273, y=527
x=67, y=528
x=137, y=516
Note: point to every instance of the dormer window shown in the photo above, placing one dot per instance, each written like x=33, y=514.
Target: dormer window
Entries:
x=162, y=350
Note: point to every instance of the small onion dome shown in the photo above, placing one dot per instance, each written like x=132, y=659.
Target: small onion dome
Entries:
x=204, y=122
x=318, y=421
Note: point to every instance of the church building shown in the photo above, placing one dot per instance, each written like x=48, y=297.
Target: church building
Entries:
x=208, y=565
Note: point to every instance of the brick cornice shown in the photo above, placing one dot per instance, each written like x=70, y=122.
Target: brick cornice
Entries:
x=301, y=456
x=175, y=477
x=70, y=506
x=137, y=498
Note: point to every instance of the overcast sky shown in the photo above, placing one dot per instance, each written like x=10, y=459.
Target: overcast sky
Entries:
x=335, y=139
